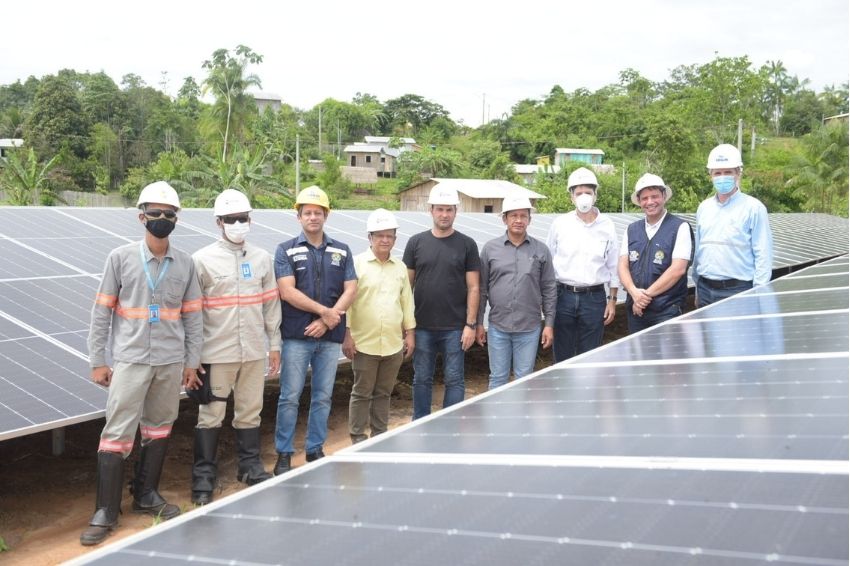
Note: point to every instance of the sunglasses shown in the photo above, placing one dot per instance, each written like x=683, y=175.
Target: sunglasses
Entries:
x=233, y=219
x=154, y=213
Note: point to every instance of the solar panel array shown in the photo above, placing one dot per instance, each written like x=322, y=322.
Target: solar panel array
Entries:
x=54, y=257
x=720, y=437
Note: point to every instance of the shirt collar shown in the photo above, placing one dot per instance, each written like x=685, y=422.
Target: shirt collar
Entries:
x=370, y=256
x=576, y=217
x=657, y=224
x=228, y=245
x=149, y=254
x=506, y=240
x=731, y=199
x=326, y=241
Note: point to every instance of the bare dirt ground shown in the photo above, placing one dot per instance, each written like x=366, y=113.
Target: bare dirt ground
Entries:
x=46, y=501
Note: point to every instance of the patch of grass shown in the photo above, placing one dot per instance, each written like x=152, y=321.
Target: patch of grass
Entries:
x=3, y=546
x=368, y=202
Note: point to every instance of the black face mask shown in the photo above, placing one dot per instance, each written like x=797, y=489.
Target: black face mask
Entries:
x=160, y=228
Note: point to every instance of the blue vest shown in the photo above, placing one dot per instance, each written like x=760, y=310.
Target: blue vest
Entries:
x=322, y=281
x=649, y=259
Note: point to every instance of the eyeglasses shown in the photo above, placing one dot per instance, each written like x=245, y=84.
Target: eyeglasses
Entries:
x=154, y=213
x=242, y=218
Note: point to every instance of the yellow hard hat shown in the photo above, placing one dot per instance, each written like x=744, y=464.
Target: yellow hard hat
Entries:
x=312, y=195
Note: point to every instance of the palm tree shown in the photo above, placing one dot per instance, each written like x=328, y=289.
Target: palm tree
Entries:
x=26, y=181
x=778, y=75
x=228, y=82
x=245, y=171
x=819, y=174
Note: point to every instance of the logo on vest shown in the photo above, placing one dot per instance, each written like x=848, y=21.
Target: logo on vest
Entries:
x=659, y=257
x=634, y=255
x=336, y=258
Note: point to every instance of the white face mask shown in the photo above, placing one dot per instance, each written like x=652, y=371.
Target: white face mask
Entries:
x=237, y=231
x=584, y=202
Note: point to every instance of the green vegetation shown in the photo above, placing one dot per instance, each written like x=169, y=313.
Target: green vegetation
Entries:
x=82, y=131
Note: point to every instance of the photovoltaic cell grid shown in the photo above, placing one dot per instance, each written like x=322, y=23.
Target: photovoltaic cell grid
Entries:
x=708, y=453
x=55, y=256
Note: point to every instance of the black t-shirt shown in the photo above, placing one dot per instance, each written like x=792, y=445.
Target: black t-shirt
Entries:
x=439, y=290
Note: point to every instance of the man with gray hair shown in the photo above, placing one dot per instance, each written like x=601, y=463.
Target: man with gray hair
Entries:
x=734, y=245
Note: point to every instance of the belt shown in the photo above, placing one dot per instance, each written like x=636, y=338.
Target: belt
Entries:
x=589, y=289
x=725, y=283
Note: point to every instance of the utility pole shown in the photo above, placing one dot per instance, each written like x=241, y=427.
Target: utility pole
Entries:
x=623, y=196
x=740, y=134
x=297, y=164
x=753, y=143
x=483, y=106
x=320, y=132
x=338, y=140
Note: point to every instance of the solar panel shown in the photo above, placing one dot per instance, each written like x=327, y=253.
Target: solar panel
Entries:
x=720, y=437
x=55, y=256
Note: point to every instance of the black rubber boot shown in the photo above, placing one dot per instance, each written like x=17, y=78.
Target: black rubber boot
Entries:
x=146, y=498
x=205, y=468
x=110, y=483
x=250, y=468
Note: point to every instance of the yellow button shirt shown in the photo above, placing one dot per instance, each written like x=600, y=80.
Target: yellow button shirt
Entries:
x=383, y=308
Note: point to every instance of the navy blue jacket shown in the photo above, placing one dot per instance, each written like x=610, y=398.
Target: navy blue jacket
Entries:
x=649, y=259
x=323, y=281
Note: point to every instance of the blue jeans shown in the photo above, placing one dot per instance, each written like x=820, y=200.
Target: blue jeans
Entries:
x=637, y=323
x=579, y=322
x=504, y=347
x=322, y=356
x=428, y=344
x=707, y=295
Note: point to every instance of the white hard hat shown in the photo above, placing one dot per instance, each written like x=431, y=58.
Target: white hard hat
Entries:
x=443, y=195
x=724, y=156
x=582, y=176
x=231, y=201
x=516, y=202
x=160, y=192
x=381, y=219
x=649, y=180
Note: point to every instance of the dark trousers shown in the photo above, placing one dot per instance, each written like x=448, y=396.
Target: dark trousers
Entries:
x=579, y=322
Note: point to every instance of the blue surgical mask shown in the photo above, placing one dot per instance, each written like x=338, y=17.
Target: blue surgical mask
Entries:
x=724, y=184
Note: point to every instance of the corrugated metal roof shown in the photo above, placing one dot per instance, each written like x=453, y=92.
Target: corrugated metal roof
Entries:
x=576, y=150
x=371, y=148
x=530, y=168
x=487, y=188
x=266, y=96
x=386, y=139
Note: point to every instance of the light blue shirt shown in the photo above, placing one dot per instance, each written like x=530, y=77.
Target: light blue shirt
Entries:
x=733, y=240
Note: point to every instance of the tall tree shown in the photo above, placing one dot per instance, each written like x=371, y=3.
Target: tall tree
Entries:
x=227, y=81
x=56, y=121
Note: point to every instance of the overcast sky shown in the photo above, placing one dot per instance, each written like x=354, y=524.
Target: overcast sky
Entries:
x=472, y=58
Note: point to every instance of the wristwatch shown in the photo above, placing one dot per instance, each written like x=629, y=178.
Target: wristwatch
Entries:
x=472, y=325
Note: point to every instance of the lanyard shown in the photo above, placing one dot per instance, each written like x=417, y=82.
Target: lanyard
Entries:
x=165, y=264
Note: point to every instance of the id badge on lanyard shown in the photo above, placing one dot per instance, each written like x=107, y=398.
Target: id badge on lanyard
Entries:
x=153, y=308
